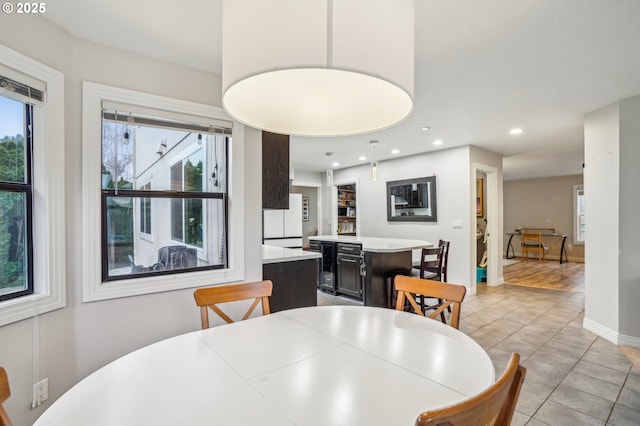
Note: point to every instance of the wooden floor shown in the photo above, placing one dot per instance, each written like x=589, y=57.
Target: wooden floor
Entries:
x=546, y=274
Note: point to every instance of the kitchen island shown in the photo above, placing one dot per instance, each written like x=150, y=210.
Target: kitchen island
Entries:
x=380, y=258
x=294, y=273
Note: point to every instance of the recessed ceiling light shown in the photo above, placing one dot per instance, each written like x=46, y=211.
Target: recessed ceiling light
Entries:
x=395, y=151
x=425, y=128
x=335, y=164
x=362, y=158
x=515, y=131
x=437, y=142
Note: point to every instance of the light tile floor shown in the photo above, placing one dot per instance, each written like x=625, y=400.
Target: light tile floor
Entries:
x=573, y=376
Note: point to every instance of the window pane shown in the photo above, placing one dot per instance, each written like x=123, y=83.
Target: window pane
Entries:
x=193, y=222
x=130, y=254
x=193, y=172
x=13, y=244
x=117, y=156
x=12, y=142
x=172, y=159
x=162, y=231
x=579, y=223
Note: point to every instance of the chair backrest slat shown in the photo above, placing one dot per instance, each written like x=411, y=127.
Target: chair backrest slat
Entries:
x=454, y=294
x=431, y=261
x=209, y=297
x=445, y=258
x=532, y=241
x=493, y=406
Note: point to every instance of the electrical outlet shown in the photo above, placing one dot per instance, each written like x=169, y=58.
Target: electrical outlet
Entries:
x=40, y=392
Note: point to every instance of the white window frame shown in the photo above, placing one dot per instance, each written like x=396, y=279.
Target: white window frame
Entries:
x=49, y=274
x=576, y=222
x=93, y=287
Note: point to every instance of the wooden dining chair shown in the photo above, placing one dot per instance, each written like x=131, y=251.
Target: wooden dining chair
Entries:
x=431, y=268
x=532, y=242
x=450, y=294
x=431, y=260
x=208, y=298
x=493, y=406
x=445, y=258
x=5, y=393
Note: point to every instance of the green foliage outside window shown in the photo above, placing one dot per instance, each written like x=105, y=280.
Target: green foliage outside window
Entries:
x=12, y=214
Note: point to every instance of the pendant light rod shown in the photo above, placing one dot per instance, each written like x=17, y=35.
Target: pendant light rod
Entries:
x=374, y=162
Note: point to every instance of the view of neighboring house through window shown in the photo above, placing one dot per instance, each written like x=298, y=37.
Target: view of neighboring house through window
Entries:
x=15, y=199
x=164, y=200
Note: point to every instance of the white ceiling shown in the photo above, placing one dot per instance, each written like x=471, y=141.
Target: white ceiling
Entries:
x=482, y=67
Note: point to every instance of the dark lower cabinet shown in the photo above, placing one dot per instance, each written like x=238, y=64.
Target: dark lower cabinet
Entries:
x=379, y=269
x=348, y=270
x=349, y=280
x=294, y=283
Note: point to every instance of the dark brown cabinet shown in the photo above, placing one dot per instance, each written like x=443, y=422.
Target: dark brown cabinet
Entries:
x=349, y=266
x=294, y=283
x=275, y=171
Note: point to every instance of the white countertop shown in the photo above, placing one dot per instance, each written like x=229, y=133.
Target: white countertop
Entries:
x=376, y=244
x=319, y=366
x=273, y=254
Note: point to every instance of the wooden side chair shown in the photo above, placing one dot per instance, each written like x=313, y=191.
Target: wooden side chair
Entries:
x=493, y=406
x=445, y=258
x=451, y=295
x=532, y=242
x=432, y=268
x=5, y=393
x=431, y=261
x=208, y=298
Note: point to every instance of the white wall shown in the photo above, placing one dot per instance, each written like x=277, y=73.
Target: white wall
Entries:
x=67, y=344
x=451, y=167
x=629, y=266
x=612, y=270
x=601, y=184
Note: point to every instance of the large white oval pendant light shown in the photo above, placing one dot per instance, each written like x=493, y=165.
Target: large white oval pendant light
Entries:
x=318, y=67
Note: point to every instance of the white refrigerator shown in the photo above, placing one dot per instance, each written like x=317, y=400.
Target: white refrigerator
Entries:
x=283, y=228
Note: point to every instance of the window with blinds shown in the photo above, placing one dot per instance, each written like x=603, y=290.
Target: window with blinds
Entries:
x=16, y=196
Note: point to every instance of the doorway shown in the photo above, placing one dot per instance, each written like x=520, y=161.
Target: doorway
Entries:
x=345, y=219
x=487, y=224
x=311, y=208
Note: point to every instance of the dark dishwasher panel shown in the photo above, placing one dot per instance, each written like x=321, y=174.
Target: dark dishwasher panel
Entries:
x=349, y=266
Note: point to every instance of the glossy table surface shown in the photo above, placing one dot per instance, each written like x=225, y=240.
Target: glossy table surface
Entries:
x=328, y=365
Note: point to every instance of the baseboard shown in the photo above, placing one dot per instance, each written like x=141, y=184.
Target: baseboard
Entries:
x=630, y=341
x=611, y=335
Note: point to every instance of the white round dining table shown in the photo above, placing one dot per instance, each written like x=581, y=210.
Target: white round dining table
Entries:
x=327, y=365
